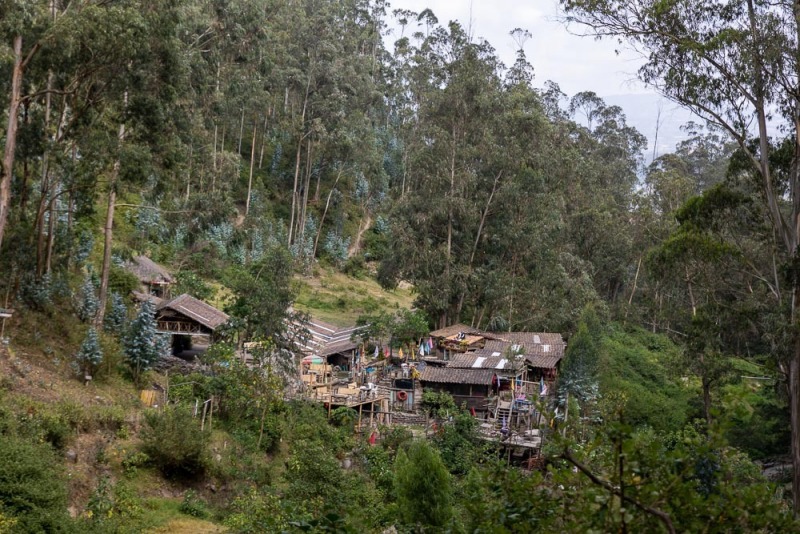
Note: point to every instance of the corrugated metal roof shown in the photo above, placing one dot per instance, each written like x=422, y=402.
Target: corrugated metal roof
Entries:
x=450, y=375
x=531, y=338
x=549, y=349
x=325, y=339
x=482, y=359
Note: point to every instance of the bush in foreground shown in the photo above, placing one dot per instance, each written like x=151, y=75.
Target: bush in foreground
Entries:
x=174, y=442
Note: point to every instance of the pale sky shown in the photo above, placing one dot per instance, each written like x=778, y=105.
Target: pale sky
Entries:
x=575, y=63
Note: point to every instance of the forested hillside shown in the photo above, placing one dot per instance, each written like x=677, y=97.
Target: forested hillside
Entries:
x=286, y=157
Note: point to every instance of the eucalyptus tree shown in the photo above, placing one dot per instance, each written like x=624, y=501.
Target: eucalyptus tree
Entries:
x=736, y=65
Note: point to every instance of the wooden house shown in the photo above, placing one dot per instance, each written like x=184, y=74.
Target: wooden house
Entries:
x=528, y=360
x=185, y=318
x=327, y=349
x=542, y=352
x=458, y=338
x=154, y=279
x=468, y=386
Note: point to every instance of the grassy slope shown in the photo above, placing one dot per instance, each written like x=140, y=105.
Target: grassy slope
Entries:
x=339, y=299
x=37, y=381
x=641, y=366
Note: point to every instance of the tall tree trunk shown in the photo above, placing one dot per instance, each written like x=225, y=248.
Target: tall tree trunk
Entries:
x=189, y=173
x=51, y=233
x=301, y=226
x=241, y=133
x=325, y=212
x=11, y=135
x=263, y=140
x=484, y=214
x=39, y=223
x=107, y=242
x=794, y=396
x=250, y=179
x=297, y=159
x=109, y=226
x=294, y=189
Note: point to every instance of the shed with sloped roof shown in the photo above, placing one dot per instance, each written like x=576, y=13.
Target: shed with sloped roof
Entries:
x=154, y=279
x=189, y=316
x=470, y=386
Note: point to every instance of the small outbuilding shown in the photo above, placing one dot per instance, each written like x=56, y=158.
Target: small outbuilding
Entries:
x=186, y=317
x=471, y=386
x=154, y=279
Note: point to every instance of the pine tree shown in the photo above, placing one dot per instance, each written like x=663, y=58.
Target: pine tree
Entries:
x=141, y=349
x=424, y=491
x=117, y=315
x=89, y=304
x=90, y=355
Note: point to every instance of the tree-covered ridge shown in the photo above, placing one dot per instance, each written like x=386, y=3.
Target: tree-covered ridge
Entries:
x=254, y=146
x=231, y=128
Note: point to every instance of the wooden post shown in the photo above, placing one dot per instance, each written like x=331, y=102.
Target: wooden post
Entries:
x=371, y=413
x=360, y=406
x=211, y=412
x=203, y=418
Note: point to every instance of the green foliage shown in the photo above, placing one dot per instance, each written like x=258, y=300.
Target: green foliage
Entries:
x=579, y=370
x=423, y=487
x=641, y=375
x=250, y=397
x=114, y=508
x=188, y=282
x=193, y=505
x=439, y=404
x=116, y=318
x=256, y=512
x=344, y=417
x=32, y=490
x=89, y=305
x=754, y=419
x=37, y=293
x=263, y=294
x=141, y=346
x=458, y=445
x=133, y=461
x=174, y=442
x=313, y=472
x=335, y=247
x=89, y=356
x=122, y=281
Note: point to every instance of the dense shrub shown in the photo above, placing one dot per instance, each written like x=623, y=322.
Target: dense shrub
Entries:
x=422, y=483
x=122, y=281
x=173, y=440
x=31, y=490
x=193, y=505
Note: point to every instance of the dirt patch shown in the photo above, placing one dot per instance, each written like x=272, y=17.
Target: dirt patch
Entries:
x=188, y=526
